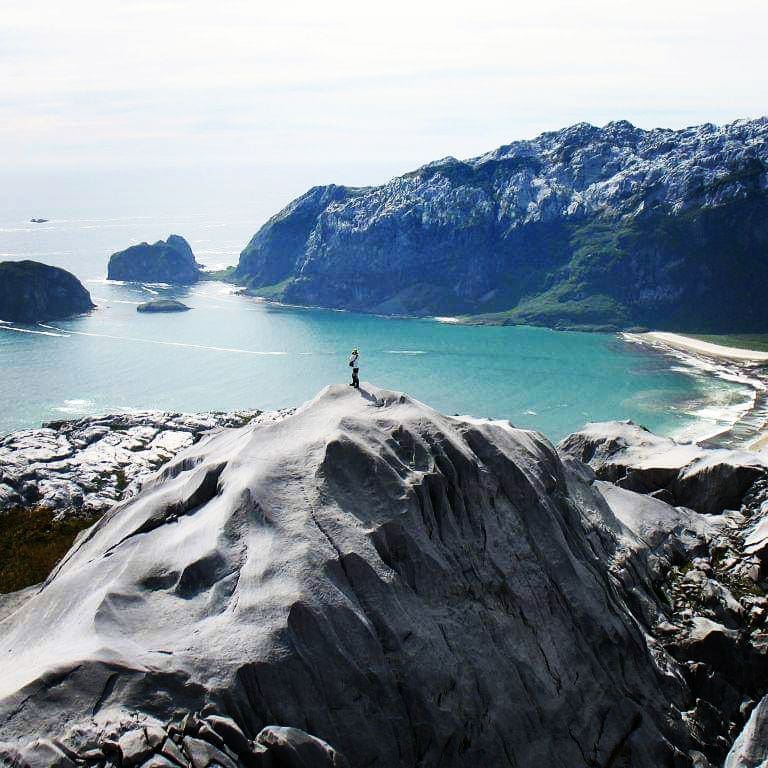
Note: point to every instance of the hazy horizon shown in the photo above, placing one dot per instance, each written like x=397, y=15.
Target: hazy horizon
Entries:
x=150, y=106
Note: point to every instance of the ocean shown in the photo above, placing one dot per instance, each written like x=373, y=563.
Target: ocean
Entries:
x=236, y=352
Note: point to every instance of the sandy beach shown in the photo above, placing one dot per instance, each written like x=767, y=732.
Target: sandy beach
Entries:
x=740, y=359
x=696, y=346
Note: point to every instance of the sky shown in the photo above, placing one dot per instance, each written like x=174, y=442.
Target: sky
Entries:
x=272, y=97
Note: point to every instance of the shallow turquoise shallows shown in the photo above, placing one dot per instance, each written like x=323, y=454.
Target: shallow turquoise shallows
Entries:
x=233, y=352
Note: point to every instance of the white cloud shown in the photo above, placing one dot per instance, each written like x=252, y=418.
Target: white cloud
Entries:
x=375, y=85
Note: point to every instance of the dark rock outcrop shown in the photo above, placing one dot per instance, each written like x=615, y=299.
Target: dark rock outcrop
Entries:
x=162, y=305
x=166, y=261
x=31, y=292
x=585, y=227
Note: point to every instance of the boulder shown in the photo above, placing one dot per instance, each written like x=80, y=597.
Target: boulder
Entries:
x=293, y=748
x=134, y=747
x=704, y=479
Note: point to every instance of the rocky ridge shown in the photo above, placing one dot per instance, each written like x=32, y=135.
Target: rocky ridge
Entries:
x=585, y=227
x=708, y=569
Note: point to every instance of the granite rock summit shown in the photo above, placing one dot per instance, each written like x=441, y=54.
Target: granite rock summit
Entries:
x=407, y=587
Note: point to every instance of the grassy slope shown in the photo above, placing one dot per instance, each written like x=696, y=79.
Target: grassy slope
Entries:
x=31, y=543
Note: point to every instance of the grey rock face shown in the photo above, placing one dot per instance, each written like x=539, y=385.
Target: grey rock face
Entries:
x=86, y=466
x=409, y=588
x=708, y=570
x=583, y=227
x=166, y=261
x=751, y=747
x=630, y=456
x=31, y=292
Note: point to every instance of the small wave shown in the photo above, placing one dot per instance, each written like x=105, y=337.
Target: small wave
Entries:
x=116, y=301
x=451, y=320
x=184, y=344
x=7, y=327
x=76, y=406
x=406, y=352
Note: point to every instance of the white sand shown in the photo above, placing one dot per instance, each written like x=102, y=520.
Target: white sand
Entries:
x=687, y=344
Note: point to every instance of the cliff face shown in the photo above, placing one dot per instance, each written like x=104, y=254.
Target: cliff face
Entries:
x=166, y=261
x=31, y=292
x=587, y=226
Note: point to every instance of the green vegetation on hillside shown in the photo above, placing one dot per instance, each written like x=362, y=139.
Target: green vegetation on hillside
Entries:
x=226, y=274
x=273, y=292
x=31, y=543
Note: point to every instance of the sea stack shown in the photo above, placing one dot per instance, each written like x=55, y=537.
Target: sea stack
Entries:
x=31, y=292
x=166, y=261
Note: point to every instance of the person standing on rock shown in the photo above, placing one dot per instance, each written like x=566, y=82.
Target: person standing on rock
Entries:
x=354, y=364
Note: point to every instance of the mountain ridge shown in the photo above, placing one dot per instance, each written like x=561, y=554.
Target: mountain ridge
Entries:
x=585, y=227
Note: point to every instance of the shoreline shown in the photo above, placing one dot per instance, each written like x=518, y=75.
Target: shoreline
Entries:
x=697, y=346
x=749, y=430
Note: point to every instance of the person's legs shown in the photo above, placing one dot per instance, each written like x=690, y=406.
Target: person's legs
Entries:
x=355, y=379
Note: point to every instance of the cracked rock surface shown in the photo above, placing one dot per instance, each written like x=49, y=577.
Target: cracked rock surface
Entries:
x=85, y=467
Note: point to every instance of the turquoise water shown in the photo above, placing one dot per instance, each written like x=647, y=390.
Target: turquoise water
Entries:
x=234, y=352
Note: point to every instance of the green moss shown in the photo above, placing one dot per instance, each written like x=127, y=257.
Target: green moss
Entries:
x=121, y=481
x=226, y=274
x=31, y=543
x=271, y=291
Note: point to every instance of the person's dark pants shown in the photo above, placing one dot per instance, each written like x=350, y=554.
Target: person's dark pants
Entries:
x=355, y=379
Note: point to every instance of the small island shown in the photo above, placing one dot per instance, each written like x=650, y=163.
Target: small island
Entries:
x=31, y=292
x=163, y=305
x=166, y=261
